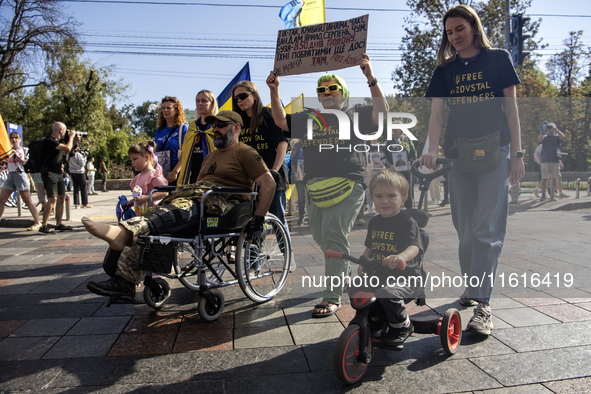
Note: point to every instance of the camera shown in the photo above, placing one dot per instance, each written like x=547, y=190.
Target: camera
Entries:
x=85, y=152
x=74, y=133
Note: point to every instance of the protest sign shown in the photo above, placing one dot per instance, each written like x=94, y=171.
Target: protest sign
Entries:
x=322, y=47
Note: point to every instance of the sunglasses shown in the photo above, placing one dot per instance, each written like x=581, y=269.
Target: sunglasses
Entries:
x=220, y=125
x=331, y=88
x=241, y=96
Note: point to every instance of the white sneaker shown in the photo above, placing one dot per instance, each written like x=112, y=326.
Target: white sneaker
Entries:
x=481, y=322
x=537, y=192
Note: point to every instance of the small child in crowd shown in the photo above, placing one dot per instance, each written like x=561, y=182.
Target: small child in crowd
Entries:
x=393, y=236
x=142, y=159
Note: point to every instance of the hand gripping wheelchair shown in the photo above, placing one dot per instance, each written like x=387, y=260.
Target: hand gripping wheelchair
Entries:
x=219, y=255
x=353, y=350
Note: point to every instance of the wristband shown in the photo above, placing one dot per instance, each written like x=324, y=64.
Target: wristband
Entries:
x=373, y=83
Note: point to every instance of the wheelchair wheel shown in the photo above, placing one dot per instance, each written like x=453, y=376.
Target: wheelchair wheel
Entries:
x=263, y=269
x=451, y=331
x=211, y=311
x=156, y=295
x=346, y=364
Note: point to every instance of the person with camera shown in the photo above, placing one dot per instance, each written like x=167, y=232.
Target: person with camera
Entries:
x=551, y=139
x=77, y=162
x=53, y=181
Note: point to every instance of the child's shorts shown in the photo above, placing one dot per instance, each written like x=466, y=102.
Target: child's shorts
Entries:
x=16, y=181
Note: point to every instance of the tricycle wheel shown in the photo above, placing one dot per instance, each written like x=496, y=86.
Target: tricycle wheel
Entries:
x=210, y=311
x=157, y=293
x=346, y=363
x=451, y=331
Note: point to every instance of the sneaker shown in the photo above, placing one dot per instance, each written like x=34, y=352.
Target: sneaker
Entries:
x=543, y=198
x=115, y=286
x=465, y=301
x=537, y=192
x=481, y=322
x=397, y=336
x=63, y=227
x=46, y=230
x=562, y=195
x=444, y=203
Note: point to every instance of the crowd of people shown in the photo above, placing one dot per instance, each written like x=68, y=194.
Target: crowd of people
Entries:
x=249, y=144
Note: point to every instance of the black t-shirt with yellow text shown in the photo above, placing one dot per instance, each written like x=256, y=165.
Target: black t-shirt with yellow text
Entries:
x=265, y=140
x=473, y=91
x=391, y=236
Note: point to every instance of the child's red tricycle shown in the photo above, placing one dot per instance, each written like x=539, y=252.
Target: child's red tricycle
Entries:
x=354, y=347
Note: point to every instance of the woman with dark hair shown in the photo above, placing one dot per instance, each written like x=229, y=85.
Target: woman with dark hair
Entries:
x=261, y=132
x=483, y=141
x=172, y=128
x=198, y=142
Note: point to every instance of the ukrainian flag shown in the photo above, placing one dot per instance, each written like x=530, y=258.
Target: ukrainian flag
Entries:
x=299, y=13
x=225, y=97
x=5, y=146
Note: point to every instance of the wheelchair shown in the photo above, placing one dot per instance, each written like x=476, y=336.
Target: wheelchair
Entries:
x=219, y=255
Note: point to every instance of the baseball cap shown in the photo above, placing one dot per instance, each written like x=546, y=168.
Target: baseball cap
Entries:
x=225, y=116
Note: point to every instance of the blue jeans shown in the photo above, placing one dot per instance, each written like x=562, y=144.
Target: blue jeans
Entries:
x=479, y=207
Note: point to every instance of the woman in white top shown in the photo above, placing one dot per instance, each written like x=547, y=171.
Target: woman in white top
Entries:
x=18, y=180
x=90, y=172
x=77, y=163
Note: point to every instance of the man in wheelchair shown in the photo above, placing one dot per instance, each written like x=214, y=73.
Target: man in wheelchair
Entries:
x=232, y=164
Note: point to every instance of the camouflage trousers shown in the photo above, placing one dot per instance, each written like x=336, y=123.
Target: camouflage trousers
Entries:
x=186, y=198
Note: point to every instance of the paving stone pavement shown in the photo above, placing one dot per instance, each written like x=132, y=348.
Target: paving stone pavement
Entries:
x=57, y=337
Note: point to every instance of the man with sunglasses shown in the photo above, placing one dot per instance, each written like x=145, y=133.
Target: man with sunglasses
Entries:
x=331, y=225
x=233, y=163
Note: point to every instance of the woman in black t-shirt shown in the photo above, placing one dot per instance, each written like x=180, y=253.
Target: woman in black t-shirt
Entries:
x=477, y=83
x=261, y=132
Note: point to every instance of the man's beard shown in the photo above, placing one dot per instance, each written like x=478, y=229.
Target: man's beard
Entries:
x=223, y=141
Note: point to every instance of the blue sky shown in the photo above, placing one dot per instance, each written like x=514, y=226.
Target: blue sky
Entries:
x=167, y=28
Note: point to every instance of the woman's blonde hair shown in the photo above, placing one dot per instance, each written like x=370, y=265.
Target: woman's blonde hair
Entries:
x=447, y=53
x=179, y=118
x=214, y=102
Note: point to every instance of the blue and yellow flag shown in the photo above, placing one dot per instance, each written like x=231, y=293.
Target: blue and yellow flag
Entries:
x=299, y=13
x=225, y=97
x=5, y=146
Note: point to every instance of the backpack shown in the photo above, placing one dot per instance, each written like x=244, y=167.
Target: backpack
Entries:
x=36, y=161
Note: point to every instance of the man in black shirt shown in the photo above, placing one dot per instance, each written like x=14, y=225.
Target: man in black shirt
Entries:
x=53, y=180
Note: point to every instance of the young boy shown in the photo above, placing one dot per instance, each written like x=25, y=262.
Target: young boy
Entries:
x=393, y=236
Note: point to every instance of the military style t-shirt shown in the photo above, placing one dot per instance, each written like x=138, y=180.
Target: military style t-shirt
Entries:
x=473, y=91
x=237, y=166
x=391, y=236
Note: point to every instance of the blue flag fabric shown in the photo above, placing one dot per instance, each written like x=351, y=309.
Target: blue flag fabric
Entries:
x=289, y=12
x=225, y=97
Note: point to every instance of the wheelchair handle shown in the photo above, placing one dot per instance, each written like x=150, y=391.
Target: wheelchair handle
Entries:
x=331, y=254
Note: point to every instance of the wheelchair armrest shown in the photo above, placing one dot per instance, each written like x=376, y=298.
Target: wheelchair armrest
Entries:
x=164, y=188
x=230, y=189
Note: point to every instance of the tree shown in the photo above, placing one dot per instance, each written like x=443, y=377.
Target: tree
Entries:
x=567, y=67
x=144, y=118
x=31, y=38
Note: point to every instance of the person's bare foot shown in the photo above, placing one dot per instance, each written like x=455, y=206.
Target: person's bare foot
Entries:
x=116, y=236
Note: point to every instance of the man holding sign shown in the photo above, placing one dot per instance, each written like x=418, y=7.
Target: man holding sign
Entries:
x=335, y=178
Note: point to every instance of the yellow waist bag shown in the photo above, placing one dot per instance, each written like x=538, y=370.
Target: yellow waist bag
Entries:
x=329, y=192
